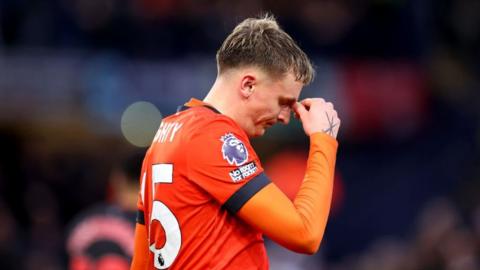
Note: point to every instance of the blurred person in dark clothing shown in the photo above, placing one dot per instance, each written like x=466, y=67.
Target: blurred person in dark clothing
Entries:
x=9, y=243
x=102, y=236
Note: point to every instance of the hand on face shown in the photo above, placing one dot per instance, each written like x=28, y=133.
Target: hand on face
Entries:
x=317, y=115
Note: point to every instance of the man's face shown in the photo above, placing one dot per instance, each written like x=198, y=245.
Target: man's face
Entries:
x=271, y=102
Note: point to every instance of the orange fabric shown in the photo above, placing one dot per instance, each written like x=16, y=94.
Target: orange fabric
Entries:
x=140, y=253
x=303, y=221
x=193, y=102
x=196, y=179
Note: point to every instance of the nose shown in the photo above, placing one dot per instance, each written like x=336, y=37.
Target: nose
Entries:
x=284, y=115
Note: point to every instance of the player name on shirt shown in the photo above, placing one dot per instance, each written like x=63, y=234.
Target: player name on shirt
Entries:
x=167, y=131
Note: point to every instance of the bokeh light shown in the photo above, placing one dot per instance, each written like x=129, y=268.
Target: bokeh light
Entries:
x=139, y=123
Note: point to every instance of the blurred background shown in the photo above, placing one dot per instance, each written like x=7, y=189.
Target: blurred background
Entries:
x=84, y=85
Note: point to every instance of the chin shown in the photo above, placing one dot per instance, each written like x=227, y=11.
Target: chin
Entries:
x=256, y=131
x=259, y=133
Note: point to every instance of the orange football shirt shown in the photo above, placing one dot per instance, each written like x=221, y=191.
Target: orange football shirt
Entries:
x=198, y=172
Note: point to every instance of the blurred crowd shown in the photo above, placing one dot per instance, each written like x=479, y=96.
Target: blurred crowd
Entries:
x=441, y=238
x=179, y=28
x=403, y=73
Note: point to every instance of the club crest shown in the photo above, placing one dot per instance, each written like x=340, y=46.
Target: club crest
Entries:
x=233, y=150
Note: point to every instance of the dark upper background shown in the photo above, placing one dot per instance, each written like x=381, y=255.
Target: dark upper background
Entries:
x=402, y=74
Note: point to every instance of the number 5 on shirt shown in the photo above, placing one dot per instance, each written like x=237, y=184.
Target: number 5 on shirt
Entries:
x=164, y=256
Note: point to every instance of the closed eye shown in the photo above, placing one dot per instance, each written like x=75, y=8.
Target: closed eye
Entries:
x=286, y=101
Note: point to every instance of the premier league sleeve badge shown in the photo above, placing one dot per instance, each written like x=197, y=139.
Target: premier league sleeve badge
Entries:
x=234, y=150
x=235, y=153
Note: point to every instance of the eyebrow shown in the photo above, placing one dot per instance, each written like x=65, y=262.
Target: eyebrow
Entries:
x=287, y=100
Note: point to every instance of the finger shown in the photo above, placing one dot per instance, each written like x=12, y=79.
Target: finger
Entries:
x=307, y=103
x=329, y=105
x=334, y=113
x=295, y=114
x=299, y=109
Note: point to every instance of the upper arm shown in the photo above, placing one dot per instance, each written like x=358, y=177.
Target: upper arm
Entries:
x=222, y=162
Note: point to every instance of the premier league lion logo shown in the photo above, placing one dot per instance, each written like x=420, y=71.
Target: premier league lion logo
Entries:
x=233, y=150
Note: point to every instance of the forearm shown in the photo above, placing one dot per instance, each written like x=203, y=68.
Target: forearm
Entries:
x=298, y=226
x=314, y=197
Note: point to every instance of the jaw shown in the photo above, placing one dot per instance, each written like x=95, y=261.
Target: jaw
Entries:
x=260, y=130
x=255, y=131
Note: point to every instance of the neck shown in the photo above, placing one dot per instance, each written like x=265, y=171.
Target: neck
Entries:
x=222, y=97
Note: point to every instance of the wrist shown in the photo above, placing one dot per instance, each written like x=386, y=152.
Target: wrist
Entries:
x=319, y=139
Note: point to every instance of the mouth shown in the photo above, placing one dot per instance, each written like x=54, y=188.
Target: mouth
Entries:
x=269, y=124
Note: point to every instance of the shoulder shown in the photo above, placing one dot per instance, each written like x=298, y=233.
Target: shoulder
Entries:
x=204, y=121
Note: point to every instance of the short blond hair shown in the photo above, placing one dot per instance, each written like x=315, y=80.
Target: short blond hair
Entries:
x=261, y=42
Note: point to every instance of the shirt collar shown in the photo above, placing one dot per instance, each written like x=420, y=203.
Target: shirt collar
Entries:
x=193, y=102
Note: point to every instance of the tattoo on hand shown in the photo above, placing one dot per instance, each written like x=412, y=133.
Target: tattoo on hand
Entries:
x=332, y=124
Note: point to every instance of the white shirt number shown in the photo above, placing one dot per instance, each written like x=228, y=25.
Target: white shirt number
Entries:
x=164, y=257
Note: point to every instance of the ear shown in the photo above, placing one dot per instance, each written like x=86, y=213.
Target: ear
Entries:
x=247, y=85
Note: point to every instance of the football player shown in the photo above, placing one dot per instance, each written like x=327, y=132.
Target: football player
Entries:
x=205, y=201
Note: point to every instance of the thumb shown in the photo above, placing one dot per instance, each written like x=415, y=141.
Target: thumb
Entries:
x=299, y=110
